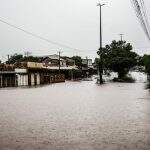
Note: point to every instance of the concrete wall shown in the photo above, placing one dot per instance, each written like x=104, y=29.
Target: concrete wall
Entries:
x=22, y=79
x=35, y=79
x=7, y=80
x=38, y=79
x=1, y=81
x=32, y=79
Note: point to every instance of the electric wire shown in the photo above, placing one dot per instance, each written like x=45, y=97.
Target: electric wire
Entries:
x=141, y=13
x=40, y=37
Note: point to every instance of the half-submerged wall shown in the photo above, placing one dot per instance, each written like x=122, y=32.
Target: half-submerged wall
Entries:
x=7, y=80
x=29, y=77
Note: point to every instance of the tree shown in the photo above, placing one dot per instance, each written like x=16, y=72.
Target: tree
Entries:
x=78, y=61
x=146, y=62
x=17, y=58
x=31, y=59
x=14, y=59
x=119, y=57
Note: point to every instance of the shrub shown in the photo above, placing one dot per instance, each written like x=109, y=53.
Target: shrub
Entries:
x=125, y=79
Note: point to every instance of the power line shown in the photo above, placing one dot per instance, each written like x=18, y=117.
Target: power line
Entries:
x=139, y=7
x=39, y=37
x=59, y=53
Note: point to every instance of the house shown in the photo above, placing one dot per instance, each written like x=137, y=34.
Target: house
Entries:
x=53, y=60
x=69, y=61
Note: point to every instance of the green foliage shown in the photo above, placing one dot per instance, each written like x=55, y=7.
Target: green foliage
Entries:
x=14, y=59
x=140, y=61
x=118, y=57
x=17, y=58
x=31, y=59
x=124, y=79
x=96, y=61
x=78, y=61
x=146, y=62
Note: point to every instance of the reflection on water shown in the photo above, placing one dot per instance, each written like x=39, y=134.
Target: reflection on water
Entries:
x=76, y=116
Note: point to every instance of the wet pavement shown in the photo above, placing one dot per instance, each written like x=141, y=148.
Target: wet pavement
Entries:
x=76, y=116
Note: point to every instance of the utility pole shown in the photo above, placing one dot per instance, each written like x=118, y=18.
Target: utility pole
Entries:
x=59, y=61
x=121, y=36
x=87, y=63
x=100, y=50
x=8, y=57
x=27, y=53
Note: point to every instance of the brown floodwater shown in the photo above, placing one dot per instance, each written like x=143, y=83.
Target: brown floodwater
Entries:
x=75, y=116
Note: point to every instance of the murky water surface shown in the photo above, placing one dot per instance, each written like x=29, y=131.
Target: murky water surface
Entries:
x=75, y=116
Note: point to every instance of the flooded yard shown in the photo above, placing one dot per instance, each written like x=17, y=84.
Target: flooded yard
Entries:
x=76, y=116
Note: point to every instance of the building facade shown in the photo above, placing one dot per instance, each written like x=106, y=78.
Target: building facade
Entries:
x=31, y=74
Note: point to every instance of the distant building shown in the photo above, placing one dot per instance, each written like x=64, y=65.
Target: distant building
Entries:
x=53, y=60
x=44, y=71
x=87, y=63
x=69, y=61
x=33, y=73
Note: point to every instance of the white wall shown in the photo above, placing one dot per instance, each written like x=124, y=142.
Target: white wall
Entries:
x=18, y=70
x=32, y=79
x=22, y=79
x=38, y=79
x=35, y=77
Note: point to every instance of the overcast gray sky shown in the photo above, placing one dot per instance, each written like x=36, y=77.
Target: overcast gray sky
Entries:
x=71, y=22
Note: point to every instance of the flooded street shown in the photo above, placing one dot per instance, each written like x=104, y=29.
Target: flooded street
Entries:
x=76, y=116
